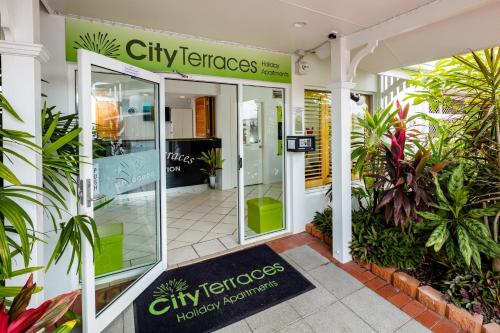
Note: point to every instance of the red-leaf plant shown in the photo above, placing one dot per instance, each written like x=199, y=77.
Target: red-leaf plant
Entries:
x=405, y=186
x=19, y=319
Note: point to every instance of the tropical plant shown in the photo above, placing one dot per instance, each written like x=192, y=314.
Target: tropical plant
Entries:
x=373, y=241
x=458, y=229
x=404, y=185
x=213, y=161
x=469, y=85
x=479, y=293
x=323, y=221
x=368, y=140
x=19, y=319
x=17, y=232
x=60, y=150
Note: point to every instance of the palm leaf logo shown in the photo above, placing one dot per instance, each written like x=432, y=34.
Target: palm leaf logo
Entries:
x=100, y=43
x=170, y=287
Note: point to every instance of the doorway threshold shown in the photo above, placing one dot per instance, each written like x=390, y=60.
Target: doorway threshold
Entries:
x=224, y=252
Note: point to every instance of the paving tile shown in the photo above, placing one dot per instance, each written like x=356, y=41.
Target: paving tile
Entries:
x=203, y=226
x=335, y=280
x=428, y=318
x=413, y=308
x=173, y=233
x=337, y=318
x=413, y=326
x=312, y=301
x=175, y=213
x=176, y=244
x=191, y=236
x=223, y=228
x=193, y=216
x=387, y=291
x=306, y=257
x=272, y=319
x=376, y=283
x=399, y=300
x=209, y=247
x=300, y=326
x=238, y=327
x=181, y=224
x=210, y=236
x=181, y=254
x=128, y=320
x=376, y=311
x=116, y=326
x=229, y=242
x=212, y=217
x=445, y=326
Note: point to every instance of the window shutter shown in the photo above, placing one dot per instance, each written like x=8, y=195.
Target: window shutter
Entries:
x=317, y=112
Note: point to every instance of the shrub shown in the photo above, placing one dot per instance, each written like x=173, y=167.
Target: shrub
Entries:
x=375, y=242
x=477, y=293
x=323, y=221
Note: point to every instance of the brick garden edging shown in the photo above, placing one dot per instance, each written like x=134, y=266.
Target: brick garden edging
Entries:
x=315, y=232
x=434, y=300
x=422, y=301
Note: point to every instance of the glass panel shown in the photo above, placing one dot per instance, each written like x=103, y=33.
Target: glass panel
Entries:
x=202, y=216
x=126, y=164
x=262, y=118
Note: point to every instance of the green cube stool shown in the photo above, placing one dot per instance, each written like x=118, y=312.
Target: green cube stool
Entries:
x=265, y=214
x=110, y=258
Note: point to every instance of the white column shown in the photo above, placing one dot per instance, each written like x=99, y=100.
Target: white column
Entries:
x=341, y=149
x=21, y=85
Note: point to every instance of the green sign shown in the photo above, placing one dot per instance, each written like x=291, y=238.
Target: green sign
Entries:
x=163, y=53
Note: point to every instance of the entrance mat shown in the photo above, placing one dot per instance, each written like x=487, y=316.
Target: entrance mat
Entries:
x=214, y=293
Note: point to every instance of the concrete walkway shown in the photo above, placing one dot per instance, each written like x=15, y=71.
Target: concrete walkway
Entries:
x=347, y=298
x=340, y=303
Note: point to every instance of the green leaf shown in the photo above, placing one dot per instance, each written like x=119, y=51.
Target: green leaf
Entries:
x=478, y=213
x=438, y=237
x=456, y=182
x=430, y=216
x=464, y=244
x=66, y=327
x=441, y=197
x=476, y=228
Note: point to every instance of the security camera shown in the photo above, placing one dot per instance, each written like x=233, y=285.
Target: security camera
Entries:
x=332, y=35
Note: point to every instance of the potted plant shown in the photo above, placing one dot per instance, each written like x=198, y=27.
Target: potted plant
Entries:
x=213, y=162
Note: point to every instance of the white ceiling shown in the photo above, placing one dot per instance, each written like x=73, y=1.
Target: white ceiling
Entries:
x=269, y=24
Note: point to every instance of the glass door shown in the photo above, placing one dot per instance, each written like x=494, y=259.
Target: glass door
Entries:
x=262, y=127
x=122, y=183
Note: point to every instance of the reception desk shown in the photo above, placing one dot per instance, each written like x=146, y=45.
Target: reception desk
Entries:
x=182, y=163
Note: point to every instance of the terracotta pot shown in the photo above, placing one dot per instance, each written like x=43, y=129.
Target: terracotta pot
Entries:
x=309, y=227
x=328, y=240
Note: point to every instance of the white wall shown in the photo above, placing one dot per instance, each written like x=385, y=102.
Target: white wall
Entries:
x=305, y=202
x=58, y=92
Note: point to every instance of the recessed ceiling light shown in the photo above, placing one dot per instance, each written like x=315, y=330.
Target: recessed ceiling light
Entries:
x=182, y=96
x=299, y=24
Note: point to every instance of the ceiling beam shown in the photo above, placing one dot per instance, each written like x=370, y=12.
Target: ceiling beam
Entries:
x=419, y=17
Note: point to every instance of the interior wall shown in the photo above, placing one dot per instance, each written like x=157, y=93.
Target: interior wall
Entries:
x=226, y=128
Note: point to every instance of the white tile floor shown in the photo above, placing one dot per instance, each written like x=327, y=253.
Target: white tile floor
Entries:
x=200, y=222
x=203, y=222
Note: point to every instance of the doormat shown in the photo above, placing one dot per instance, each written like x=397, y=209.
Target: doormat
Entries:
x=214, y=293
